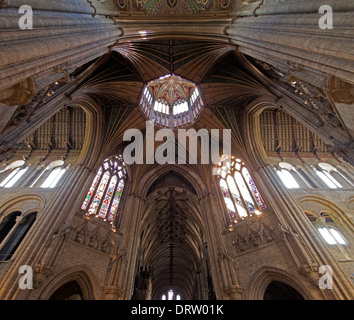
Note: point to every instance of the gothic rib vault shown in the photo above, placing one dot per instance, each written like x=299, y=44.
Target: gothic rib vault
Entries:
x=79, y=91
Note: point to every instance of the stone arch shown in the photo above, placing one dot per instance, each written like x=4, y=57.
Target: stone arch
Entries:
x=25, y=204
x=251, y=130
x=350, y=202
x=266, y=275
x=84, y=278
x=277, y=290
x=171, y=233
x=321, y=204
x=333, y=217
x=157, y=172
x=94, y=129
x=26, y=209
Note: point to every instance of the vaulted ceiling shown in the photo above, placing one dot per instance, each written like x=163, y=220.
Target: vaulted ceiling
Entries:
x=225, y=78
x=172, y=235
x=173, y=8
x=171, y=230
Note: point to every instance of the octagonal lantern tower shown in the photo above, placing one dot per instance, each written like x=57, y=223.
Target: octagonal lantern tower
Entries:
x=171, y=101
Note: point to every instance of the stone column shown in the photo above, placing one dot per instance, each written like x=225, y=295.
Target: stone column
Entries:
x=289, y=32
x=124, y=274
x=222, y=263
x=299, y=239
x=65, y=35
x=42, y=249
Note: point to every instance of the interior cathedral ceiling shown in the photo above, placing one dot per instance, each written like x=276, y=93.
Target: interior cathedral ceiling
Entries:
x=225, y=78
x=190, y=39
x=155, y=40
x=176, y=8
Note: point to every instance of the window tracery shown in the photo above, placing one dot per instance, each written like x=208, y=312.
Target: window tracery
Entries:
x=240, y=193
x=104, y=196
x=284, y=172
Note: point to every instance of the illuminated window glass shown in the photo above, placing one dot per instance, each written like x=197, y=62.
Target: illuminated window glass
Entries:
x=287, y=179
x=104, y=195
x=92, y=189
x=337, y=236
x=53, y=177
x=99, y=193
x=229, y=203
x=327, y=236
x=324, y=172
x=18, y=170
x=239, y=191
x=331, y=235
x=115, y=204
x=107, y=200
x=328, y=179
x=171, y=296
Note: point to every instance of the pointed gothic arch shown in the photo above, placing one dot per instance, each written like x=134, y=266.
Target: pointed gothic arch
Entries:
x=78, y=279
x=266, y=275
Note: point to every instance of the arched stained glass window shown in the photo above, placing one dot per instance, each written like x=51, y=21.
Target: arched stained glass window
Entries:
x=116, y=201
x=104, y=195
x=92, y=189
x=240, y=193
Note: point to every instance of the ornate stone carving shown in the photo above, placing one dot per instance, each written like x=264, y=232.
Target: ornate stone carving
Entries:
x=94, y=236
x=19, y=94
x=41, y=273
x=251, y=237
x=311, y=96
x=340, y=91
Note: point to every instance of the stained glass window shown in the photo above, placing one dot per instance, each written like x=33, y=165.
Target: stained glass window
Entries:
x=104, y=195
x=240, y=193
x=115, y=204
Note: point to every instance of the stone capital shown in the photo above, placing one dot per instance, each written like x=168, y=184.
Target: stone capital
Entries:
x=234, y=292
x=113, y=293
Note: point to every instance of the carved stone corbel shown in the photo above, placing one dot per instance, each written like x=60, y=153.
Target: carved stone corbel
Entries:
x=340, y=91
x=310, y=270
x=42, y=272
x=19, y=94
x=113, y=293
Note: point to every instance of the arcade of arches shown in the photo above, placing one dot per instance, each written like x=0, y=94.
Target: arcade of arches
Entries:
x=259, y=223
